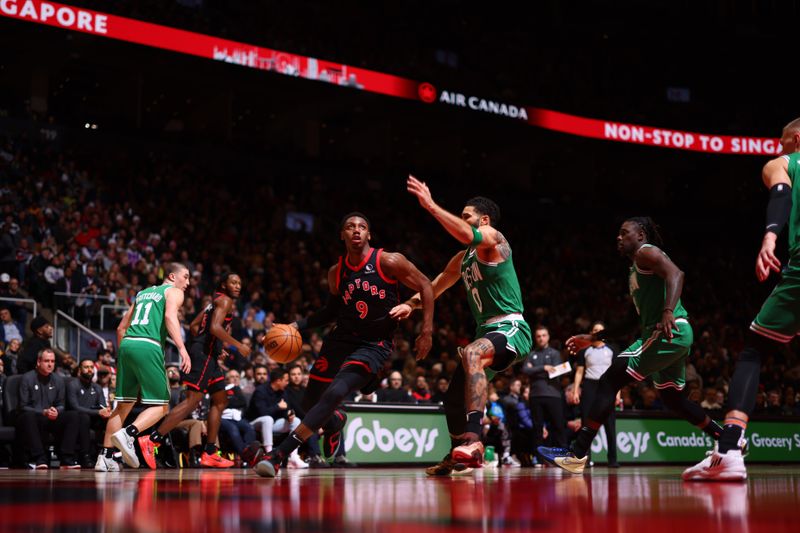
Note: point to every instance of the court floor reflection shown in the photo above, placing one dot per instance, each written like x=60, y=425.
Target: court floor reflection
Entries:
x=641, y=499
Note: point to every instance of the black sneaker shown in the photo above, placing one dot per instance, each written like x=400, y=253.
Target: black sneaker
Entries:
x=252, y=453
x=315, y=461
x=340, y=461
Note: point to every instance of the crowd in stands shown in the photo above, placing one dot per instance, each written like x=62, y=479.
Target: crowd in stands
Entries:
x=74, y=237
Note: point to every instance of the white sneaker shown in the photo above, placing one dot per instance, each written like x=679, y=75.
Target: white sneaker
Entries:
x=295, y=461
x=718, y=467
x=124, y=443
x=104, y=464
x=510, y=460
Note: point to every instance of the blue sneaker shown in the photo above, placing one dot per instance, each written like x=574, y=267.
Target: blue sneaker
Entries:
x=563, y=458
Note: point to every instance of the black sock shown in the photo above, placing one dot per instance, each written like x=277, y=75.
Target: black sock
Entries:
x=131, y=430
x=156, y=437
x=713, y=429
x=474, y=419
x=583, y=441
x=211, y=449
x=109, y=452
x=730, y=438
x=289, y=444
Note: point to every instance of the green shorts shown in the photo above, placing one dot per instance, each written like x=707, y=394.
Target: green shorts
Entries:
x=518, y=340
x=779, y=317
x=141, y=373
x=656, y=356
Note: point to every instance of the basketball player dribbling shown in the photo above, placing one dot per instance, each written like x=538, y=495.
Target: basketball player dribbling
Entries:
x=363, y=287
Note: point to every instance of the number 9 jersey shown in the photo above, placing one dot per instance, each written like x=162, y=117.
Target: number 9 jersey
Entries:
x=367, y=297
x=492, y=288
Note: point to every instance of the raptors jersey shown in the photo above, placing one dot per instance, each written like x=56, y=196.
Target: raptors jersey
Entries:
x=367, y=296
x=211, y=345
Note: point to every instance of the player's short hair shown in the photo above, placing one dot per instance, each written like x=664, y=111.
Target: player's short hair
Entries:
x=793, y=125
x=256, y=367
x=174, y=268
x=650, y=229
x=352, y=214
x=485, y=206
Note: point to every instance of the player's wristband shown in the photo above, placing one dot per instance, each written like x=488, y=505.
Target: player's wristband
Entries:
x=477, y=236
x=778, y=208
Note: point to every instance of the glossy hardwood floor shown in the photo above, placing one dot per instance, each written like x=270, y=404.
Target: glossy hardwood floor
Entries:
x=631, y=499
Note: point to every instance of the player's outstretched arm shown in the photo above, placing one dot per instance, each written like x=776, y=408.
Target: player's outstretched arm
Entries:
x=224, y=305
x=396, y=265
x=442, y=282
x=174, y=301
x=329, y=311
x=775, y=176
x=455, y=226
x=653, y=259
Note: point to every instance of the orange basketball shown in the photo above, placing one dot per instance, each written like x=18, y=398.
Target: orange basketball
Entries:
x=283, y=343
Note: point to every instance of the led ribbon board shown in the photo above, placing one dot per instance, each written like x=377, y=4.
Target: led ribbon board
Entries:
x=197, y=44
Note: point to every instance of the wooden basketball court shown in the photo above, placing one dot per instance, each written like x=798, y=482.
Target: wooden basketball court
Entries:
x=632, y=499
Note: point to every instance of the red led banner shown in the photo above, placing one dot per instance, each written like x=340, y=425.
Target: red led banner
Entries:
x=196, y=44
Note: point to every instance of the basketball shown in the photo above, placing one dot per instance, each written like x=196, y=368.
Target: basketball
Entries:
x=283, y=343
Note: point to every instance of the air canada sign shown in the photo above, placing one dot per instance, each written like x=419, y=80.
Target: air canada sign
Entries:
x=480, y=104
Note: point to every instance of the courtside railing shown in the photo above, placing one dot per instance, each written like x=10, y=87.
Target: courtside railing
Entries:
x=22, y=301
x=69, y=334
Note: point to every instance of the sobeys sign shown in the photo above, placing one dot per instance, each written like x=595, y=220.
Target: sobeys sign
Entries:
x=381, y=437
x=666, y=440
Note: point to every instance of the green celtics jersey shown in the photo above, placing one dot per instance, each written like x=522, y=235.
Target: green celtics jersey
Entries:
x=148, y=316
x=649, y=291
x=794, y=217
x=492, y=288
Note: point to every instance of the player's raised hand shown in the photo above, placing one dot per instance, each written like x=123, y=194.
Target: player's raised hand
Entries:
x=401, y=311
x=576, y=343
x=421, y=191
x=767, y=261
x=423, y=345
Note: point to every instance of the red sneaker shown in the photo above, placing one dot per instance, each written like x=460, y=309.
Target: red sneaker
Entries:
x=215, y=460
x=469, y=454
x=148, y=448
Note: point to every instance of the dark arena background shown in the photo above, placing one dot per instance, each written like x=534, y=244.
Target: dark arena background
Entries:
x=234, y=136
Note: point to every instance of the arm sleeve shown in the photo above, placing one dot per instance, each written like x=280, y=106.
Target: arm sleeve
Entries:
x=324, y=316
x=778, y=208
